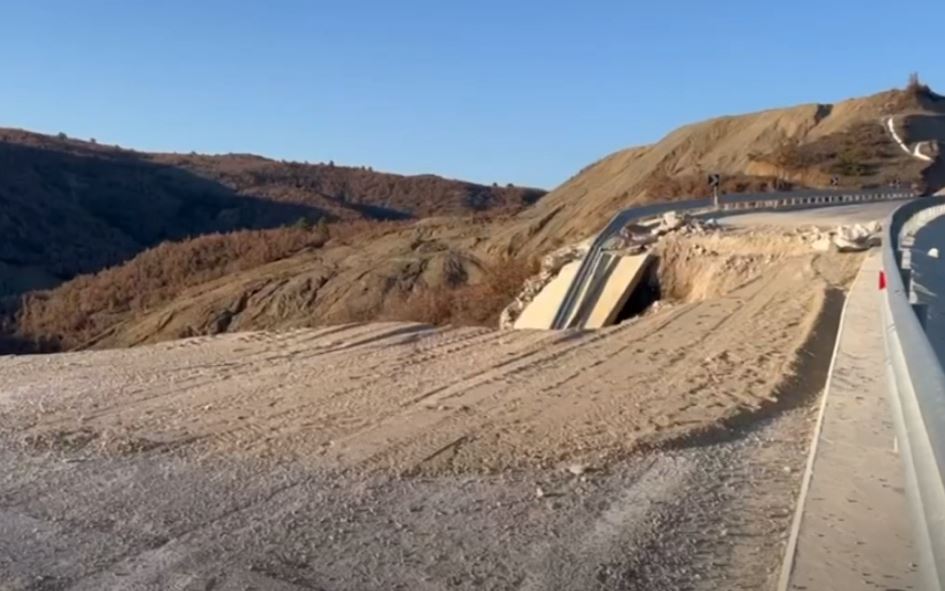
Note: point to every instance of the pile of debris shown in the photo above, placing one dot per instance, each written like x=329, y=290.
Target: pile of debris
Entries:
x=851, y=238
x=633, y=238
x=858, y=237
x=551, y=265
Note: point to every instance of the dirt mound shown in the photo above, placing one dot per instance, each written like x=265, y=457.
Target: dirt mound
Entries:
x=696, y=268
x=411, y=399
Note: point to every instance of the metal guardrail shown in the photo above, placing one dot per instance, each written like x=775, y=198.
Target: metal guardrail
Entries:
x=567, y=314
x=917, y=390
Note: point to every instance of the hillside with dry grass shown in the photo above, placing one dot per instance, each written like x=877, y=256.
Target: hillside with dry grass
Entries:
x=70, y=207
x=796, y=147
x=428, y=271
x=449, y=270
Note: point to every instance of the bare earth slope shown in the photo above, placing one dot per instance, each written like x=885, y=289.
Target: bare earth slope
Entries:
x=802, y=146
x=378, y=456
x=394, y=394
x=69, y=207
x=344, y=279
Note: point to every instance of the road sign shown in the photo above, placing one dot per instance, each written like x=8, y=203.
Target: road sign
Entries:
x=714, y=181
x=834, y=181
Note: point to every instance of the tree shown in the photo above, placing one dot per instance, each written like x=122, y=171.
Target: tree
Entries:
x=915, y=85
x=62, y=136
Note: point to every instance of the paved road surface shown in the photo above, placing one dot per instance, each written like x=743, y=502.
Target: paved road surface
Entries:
x=929, y=280
x=855, y=532
x=823, y=216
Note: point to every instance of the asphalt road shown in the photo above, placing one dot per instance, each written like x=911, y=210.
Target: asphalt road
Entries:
x=821, y=216
x=929, y=280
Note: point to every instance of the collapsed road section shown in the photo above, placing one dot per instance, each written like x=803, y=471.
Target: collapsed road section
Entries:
x=631, y=270
x=661, y=453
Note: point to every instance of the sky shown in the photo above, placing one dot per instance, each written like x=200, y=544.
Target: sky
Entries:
x=525, y=92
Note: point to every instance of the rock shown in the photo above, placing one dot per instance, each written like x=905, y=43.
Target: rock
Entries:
x=539, y=492
x=672, y=221
x=822, y=244
x=857, y=237
x=630, y=236
x=577, y=469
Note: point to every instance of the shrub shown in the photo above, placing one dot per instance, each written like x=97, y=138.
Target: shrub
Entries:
x=849, y=162
x=477, y=304
x=915, y=85
x=81, y=308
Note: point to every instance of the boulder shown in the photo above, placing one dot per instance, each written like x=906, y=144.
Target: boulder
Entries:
x=857, y=237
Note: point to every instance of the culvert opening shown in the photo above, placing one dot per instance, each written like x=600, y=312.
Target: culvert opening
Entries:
x=684, y=271
x=681, y=269
x=644, y=296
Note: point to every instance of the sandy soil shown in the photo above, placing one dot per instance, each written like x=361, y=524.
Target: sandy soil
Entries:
x=658, y=454
x=413, y=399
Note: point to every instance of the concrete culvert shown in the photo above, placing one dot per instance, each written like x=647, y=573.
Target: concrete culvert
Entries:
x=643, y=297
x=681, y=267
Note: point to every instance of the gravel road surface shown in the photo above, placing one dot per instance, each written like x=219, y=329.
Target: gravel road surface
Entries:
x=664, y=453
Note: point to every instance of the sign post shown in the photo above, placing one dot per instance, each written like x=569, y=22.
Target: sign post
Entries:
x=714, y=181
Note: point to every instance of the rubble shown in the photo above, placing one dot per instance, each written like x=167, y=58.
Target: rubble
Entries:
x=634, y=238
x=857, y=237
x=850, y=238
x=550, y=266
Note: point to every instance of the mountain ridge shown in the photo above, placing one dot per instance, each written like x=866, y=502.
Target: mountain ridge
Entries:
x=437, y=269
x=69, y=207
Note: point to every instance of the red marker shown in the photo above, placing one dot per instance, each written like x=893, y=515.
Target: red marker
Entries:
x=882, y=279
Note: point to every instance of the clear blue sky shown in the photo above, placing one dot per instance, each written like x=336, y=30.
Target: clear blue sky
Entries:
x=510, y=91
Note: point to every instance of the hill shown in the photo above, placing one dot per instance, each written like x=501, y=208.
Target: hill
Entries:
x=462, y=270
x=798, y=147
x=71, y=207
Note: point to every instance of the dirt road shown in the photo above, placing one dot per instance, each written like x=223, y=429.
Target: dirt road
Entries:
x=663, y=453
